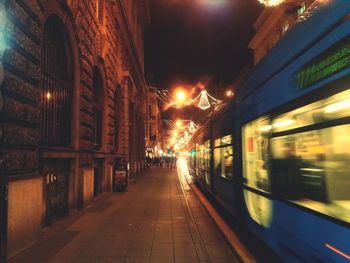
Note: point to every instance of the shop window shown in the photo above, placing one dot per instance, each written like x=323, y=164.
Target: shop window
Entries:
x=223, y=157
x=57, y=85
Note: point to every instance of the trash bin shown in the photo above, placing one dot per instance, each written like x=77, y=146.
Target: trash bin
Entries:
x=120, y=180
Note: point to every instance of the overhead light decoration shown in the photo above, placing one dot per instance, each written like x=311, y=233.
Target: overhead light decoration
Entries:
x=271, y=2
x=192, y=127
x=205, y=100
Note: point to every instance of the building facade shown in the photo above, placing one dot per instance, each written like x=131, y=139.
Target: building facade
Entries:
x=153, y=124
x=274, y=22
x=72, y=107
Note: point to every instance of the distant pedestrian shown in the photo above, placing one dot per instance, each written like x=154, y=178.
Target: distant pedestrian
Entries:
x=167, y=161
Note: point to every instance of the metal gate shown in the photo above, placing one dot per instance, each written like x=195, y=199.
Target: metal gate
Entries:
x=56, y=174
x=98, y=176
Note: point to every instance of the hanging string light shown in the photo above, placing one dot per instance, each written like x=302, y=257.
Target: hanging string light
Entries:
x=205, y=100
x=186, y=136
x=271, y=2
x=192, y=127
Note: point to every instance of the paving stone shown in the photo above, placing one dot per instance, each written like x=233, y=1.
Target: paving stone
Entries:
x=149, y=223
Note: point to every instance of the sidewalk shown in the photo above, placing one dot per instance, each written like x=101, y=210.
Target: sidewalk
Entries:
x=154, y=221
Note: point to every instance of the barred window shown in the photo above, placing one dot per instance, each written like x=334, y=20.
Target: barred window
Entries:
x=117, y=114
x=100, y=10
x=97, y=108
x=57, y=85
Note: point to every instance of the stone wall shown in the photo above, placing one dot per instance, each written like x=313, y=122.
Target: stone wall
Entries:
x=105, y=42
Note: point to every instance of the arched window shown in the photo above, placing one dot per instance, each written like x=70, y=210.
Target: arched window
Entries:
x=97, y=114
x=100, y=10
x=57, y=84
x=117, y=117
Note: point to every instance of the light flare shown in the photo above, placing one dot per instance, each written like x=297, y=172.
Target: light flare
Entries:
x=271, y=2
x=338, y=106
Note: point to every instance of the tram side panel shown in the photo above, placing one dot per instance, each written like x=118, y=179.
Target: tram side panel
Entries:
x=203, y=159
x=224, y=159
x=295, y=148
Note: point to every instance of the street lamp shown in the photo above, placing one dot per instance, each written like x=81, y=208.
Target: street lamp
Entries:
x=229, y=93
x=178, y=123
x=180, y=97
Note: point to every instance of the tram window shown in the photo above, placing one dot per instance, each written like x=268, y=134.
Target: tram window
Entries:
x=223, y=157
x=334, y=107
x=255, y=154
x=192, y=158
x=206, y=161
x=311, y=168
x=201, y=156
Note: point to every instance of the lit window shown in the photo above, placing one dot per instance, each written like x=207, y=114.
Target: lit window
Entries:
x=255, y=170
x=223, y=157
x=301, y=9
x=311, y=155
x=285, y=27
x=203, y=162
x=255, y=154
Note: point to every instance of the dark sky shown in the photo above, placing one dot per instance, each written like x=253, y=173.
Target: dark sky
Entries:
x=191, y=39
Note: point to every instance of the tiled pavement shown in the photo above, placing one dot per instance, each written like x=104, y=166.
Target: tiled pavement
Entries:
x=154, y=221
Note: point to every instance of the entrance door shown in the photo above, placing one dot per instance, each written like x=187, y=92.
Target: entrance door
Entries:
x=97, y=176
x=56, y=173
x=3, y=217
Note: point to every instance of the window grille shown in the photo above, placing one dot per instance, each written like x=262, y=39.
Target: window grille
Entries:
x=97, y=109
x=117, y=114
x=57, y=82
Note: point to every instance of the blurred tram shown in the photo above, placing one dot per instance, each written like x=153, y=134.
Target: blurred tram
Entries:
x=278, y=157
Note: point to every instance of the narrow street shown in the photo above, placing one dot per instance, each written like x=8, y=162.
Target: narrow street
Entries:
x=154, y=221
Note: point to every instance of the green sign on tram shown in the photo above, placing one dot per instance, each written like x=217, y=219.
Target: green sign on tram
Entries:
x=333, y=60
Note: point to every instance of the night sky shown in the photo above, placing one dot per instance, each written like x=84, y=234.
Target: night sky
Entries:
x=191, y=40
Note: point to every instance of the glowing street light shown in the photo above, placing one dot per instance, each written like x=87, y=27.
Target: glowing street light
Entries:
x=229, y=93
x=180, y=95
x=178, y=123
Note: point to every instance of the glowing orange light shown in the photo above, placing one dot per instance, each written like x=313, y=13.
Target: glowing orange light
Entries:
x=175, y=133
x=178, y=123
x=48, y=95
x=180, y=95
x=229, y=93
